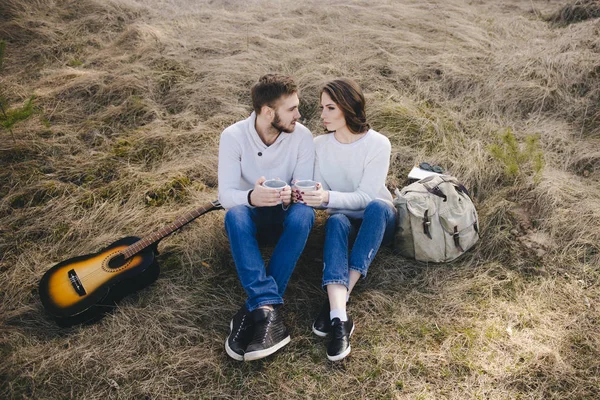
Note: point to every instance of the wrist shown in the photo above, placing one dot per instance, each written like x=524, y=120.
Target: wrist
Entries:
x=325, y=199
x=250, y=198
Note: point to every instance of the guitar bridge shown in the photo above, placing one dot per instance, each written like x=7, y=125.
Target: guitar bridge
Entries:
x=76, y=283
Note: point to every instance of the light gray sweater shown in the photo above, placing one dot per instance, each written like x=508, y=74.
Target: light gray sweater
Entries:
x=244, y=157
x=354, y=173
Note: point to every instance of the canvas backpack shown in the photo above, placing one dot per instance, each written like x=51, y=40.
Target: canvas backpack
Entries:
x=437, y=221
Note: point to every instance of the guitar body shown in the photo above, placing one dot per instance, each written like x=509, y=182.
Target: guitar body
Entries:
x=84, y=288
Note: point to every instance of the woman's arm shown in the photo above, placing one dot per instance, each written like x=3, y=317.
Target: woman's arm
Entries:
x=372, y=181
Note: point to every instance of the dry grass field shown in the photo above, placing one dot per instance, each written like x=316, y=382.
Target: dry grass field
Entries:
x=130, y=97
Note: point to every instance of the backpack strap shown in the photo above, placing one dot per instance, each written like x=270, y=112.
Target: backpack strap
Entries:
x=437, y=192
x=460, y=188
x=456, y=237
x=426, y=224
x=431, y=183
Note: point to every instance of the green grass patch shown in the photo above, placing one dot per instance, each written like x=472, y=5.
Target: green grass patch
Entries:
x=75, y=62
x=147, y=151
x=422, y=331
x=519, y=159
x=177, y=190
x=10, y=117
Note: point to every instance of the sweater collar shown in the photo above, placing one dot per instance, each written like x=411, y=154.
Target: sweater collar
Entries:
x=358, y=142
x=256, y=138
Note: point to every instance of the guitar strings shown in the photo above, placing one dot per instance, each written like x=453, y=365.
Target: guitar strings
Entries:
x=68, y=283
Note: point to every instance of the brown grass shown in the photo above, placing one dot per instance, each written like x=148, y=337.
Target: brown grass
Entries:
x=131, y=97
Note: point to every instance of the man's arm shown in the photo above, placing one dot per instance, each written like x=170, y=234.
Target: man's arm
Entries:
x=230, y=172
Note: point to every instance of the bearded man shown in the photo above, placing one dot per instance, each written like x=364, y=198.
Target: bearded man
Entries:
x=270, y=144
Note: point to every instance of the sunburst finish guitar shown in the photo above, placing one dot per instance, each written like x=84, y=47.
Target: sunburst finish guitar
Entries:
x=84, y=288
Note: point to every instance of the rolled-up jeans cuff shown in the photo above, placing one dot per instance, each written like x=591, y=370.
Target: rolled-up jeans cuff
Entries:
x=335, y=282
x=363, y=272
x=265, y=302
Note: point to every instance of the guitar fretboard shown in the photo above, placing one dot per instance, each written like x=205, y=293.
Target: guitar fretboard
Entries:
x=167, y=230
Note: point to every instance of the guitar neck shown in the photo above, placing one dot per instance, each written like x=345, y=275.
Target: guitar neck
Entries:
x=167, y=230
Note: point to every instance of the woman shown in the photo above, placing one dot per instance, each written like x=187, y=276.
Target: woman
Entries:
x=351, y=166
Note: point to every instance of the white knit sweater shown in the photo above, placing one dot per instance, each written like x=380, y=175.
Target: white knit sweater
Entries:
x=354, y=173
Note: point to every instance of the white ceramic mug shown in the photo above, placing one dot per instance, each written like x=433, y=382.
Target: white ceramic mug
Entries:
x=274, y=184
x=306, y=185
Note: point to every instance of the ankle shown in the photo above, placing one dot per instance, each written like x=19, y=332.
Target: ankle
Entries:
x=338, y=313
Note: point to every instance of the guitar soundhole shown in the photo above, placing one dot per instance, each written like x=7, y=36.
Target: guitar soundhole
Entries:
x=117, y=262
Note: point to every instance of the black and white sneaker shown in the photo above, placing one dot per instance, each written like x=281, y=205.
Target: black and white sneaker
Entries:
x=240, y=334
x=270, y=334
x=339, y=346
x=322, y=325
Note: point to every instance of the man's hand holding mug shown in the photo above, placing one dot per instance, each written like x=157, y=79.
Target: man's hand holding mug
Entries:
x=270, y=192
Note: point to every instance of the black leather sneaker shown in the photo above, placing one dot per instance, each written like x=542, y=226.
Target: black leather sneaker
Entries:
x=339, y=346
x=270, y=334
x=240, y=334
x=322, y=325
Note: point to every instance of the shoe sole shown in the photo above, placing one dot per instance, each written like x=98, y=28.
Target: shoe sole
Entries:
x=230, y=352
x=318, y=332
x=256, y=355
x=345, y=353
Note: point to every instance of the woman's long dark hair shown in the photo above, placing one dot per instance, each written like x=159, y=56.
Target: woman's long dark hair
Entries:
x=349, y=98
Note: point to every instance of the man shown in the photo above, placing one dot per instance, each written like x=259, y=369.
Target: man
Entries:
x=270, y=144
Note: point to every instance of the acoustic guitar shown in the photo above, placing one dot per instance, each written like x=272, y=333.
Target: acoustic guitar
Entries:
x=84, y=288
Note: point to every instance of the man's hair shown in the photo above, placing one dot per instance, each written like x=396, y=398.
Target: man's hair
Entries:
x=346, y=94
x=270, y=88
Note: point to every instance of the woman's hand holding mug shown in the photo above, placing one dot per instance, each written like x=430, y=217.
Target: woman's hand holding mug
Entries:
x=310, y=193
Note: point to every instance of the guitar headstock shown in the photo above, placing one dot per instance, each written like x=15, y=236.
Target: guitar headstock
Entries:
x=217, y=205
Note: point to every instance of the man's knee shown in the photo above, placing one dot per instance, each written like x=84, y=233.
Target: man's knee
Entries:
x=238, y=216
x=300, y=217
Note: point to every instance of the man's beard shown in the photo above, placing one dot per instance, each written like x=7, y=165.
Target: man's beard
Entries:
x=277, y=125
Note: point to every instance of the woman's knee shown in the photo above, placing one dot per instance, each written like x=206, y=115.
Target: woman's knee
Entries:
x=378, y=206
x=337, y=222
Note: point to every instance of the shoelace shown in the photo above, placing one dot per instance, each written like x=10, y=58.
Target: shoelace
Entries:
x=241, y=328
x=265, y=334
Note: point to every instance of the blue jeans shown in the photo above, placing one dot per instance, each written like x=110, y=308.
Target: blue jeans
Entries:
x=376, y=227
x=246, y=227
